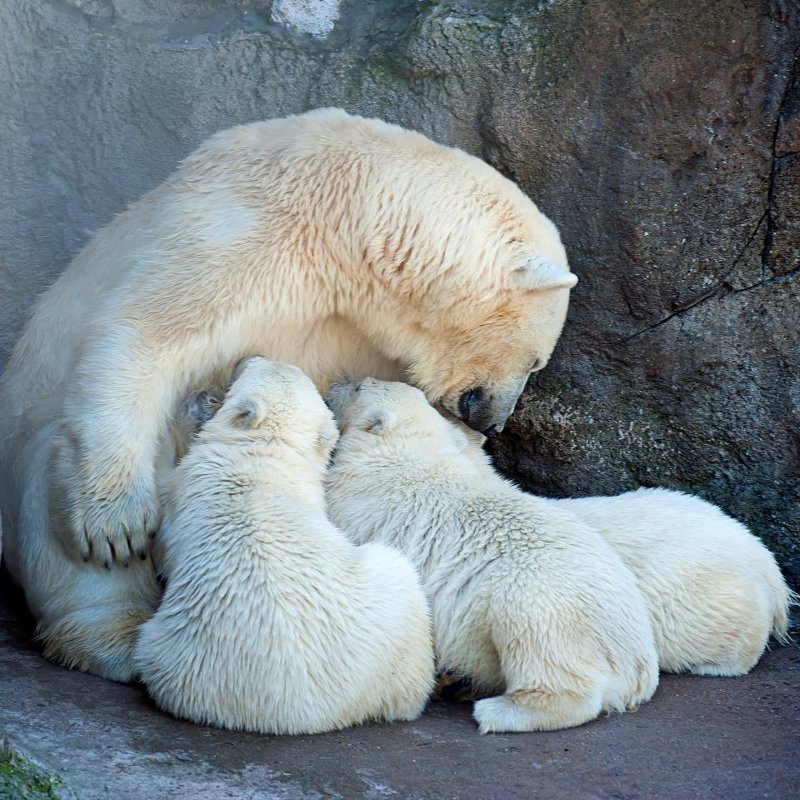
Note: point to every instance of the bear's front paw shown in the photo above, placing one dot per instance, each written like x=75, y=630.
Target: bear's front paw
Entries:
x=104, y=503
x=116, y=528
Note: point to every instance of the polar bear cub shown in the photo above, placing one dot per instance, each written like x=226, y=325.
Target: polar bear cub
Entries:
x=272, y=620
x=526, y=599
x=714, y=591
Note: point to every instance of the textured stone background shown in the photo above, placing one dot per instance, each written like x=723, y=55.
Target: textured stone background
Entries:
x=662, y=137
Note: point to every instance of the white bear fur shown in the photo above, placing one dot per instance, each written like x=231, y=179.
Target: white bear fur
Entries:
x=714, y=591
x=340, y=244
x=526, y=599
x=272, y=620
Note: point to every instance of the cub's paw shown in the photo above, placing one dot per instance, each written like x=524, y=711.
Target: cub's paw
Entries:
x=503, y=715
x=493, y=715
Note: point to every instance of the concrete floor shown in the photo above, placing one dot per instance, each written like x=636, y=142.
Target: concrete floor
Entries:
x=698, y=738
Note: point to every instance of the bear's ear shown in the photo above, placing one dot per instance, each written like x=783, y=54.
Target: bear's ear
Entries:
x=248, y=414
x=378, y=422
x=539, y=274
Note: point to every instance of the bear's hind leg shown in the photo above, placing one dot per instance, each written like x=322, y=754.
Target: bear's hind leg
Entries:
x=99, y=642
x=404, y=651
x=87, y=617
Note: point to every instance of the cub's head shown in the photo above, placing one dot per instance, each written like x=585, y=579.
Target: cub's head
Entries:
x=476, y=285
x=267, y=400
x=392, y=418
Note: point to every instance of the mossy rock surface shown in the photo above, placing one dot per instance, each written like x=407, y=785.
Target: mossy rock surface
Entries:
x=20, y=779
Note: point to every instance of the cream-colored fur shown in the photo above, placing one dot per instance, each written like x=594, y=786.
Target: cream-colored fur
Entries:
x=340, y=244
x=714, y=591
x=272, y=620
x=526, y=599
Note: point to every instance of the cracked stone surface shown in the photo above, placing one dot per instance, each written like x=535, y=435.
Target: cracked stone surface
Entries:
x=663, y=139
x=731, y=738
x=317, y=17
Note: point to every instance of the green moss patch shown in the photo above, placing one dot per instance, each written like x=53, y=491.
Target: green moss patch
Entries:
x=22, y=780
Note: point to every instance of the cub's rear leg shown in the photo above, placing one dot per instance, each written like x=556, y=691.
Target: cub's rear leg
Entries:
x=566, y=656
x=537, y=710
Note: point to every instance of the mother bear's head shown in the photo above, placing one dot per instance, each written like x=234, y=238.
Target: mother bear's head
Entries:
x=438, y=262
x=471, y=279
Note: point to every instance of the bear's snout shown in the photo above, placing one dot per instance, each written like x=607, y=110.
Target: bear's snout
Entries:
x=469, y=404
x=481, y=412
x=487, y=408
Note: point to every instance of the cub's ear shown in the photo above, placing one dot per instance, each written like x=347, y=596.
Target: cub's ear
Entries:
x=248, y=414
x=378, y=422
x=327, y=438
x=539, y=274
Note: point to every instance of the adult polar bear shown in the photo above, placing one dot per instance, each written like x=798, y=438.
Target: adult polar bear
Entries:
x=337, y=243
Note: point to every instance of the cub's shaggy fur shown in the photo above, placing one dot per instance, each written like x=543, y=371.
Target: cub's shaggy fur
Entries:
x=271, y=619
x=714, y=591
x=526, y=599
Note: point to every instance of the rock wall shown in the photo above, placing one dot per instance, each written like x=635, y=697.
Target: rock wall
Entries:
x=663, y=138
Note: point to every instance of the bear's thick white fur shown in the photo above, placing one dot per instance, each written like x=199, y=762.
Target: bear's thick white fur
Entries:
x=526, y=599
x=341, y=244
x=272, y=620
x=714, y=591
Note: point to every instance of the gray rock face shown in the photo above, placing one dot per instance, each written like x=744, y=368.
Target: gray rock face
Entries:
x=663, y=139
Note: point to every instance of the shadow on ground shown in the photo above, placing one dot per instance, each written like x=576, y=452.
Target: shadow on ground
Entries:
x=698, y=738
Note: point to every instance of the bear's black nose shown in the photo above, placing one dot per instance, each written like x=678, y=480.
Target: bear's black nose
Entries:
x=469, y=403
x=481, y=411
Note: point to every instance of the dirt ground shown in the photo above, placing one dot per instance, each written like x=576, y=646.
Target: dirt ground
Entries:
x=698, y=738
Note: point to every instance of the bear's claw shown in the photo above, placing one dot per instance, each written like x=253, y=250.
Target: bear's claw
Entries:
x=113, y=531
